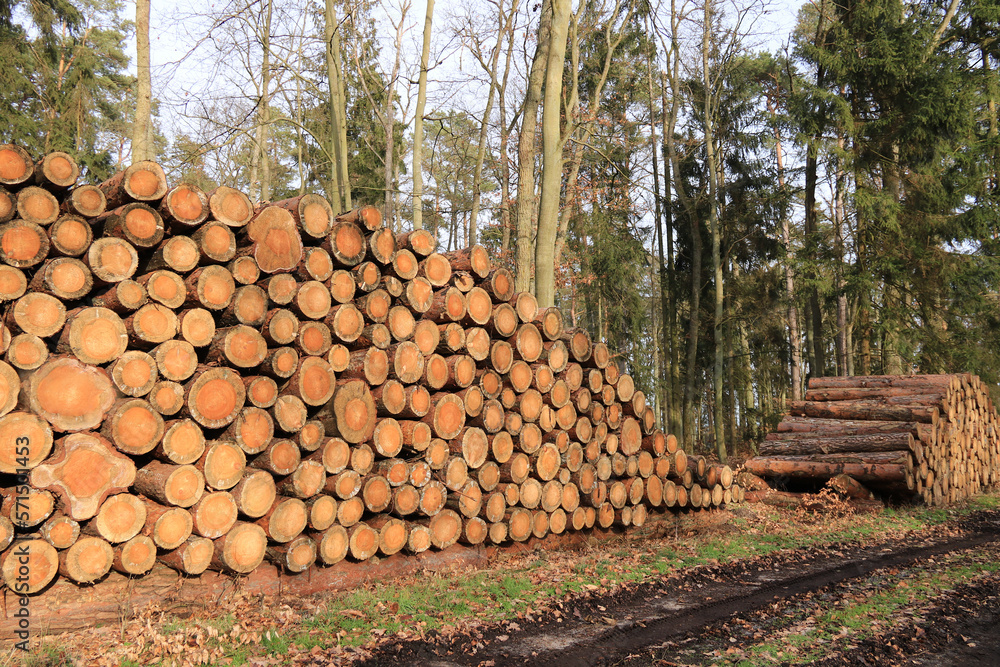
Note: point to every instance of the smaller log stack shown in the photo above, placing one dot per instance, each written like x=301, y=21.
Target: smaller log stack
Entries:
x=935, y=436
x=192, y=379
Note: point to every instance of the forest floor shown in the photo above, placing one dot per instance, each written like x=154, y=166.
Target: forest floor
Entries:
x=750, y=585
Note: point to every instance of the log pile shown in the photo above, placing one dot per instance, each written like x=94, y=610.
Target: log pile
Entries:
x=193, y=379
x=933, y=436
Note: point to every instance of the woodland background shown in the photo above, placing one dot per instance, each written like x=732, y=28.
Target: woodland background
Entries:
x=732, y=217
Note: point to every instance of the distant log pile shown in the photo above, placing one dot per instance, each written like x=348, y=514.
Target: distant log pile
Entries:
x=196, y=380
x=935, y=436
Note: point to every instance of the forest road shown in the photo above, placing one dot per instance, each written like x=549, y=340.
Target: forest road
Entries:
x=650, y=623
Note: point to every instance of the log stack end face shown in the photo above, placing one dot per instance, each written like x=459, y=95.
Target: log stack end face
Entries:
x=193, y=379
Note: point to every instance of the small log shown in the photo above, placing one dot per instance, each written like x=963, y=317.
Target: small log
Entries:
x=222, y=464
x=254, y=493
x=177, y=253
x=197, y=326
x=23, y=244
x=168, y=527
x=280, y=288
x=184, y=207
x=313, y=382
x=120, y=518
x=178, y=486
x=27, y=507
x=346, y=322
x=165, y=287
x=37, y=314
x=416, y=435
x=850, y=488
x=210, y=287
x=280, y=458
x=311, y=212
x=285, y=520
x=142, y=181
x=519, y=523
x=192, y=557
x=58, y=530
x=306, y=481
x=26, y=352
x=13, y=283
x=280, y=326
x=166, y=397
x=69, y=236
x=29, y=565
x=346, y=244
x=86, y=201
x=65, y=278
x=37, y=205
x=57, y=171
x=89, y=559
x=135, y=557
x=176, y=360
x=447, y=305
x=229, y=206
x=374, y=306
x=804, y=444
x=151, y=325
x=122, y=297
x=112, y=260
x=240, y=550
x=133, y=426
x=864, y=410
x=136, y=223
x=401, y=324
x=16, y=167
x=342, y=286
x=296, y=556
x=247, y=307
x=382, y=246
x=214, y=397
x=262, y=392
x=214, y=515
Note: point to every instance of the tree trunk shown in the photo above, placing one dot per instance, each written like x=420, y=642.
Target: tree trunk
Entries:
x=552, y=152
x=142, y=148
x=526, y=152
x=418, y=123
x=338, y=191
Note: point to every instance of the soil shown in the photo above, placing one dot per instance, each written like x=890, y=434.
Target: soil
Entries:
x=709, y=614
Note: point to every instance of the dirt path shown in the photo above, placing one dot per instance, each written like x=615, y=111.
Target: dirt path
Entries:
x=693, y=619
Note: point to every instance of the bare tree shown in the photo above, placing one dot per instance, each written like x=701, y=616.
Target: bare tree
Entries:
x=504, y=20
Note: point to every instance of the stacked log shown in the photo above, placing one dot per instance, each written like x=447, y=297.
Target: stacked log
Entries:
x=933, y=436
x=193, y=379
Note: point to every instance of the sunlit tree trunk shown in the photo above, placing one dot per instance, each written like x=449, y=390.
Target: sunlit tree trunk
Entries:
x=142, y=145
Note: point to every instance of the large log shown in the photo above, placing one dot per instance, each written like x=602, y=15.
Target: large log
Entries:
x=862, y=410
x=837, y=444
x=771, y=467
